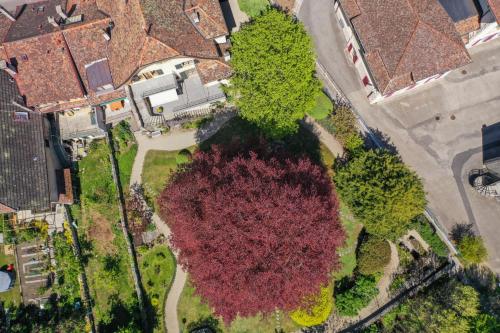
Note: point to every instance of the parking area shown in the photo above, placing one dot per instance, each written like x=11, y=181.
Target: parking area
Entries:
x=436, y=128
x=34, y=272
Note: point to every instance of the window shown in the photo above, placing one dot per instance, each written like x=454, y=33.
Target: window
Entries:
x=366, y=81
x=21, y=117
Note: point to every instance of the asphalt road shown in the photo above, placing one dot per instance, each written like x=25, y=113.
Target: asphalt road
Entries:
x=436, y=128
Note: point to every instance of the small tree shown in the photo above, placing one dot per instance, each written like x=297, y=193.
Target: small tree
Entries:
x=472, y=249
x=382, y=191
x=255, y=233
x=315, y=310
x=273, y=83
x=374, y=255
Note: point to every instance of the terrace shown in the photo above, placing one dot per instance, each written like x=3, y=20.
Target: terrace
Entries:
x=168, y=96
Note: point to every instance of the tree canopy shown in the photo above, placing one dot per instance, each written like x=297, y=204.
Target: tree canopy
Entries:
x=273, y=83
x=254, y=232
x=472, y=249
x=382, y=191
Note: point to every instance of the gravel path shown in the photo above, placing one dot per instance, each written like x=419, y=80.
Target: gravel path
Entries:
x=175, y=140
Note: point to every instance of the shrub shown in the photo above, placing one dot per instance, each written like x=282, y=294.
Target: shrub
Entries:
x=423, y=227
x=351, y=301
x=183, y=156
x=315, y=310
x=381, y=191
x=345, y=124
x=472, y=249
x=374, y=255
x=228, y=215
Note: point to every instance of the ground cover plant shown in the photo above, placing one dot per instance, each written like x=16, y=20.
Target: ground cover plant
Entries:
x=273, y=84
x=316, y=308
x=157, y=266
x=374, y=255
x=423, y=227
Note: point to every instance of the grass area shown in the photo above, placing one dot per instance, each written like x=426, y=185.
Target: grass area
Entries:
x=352, y=229
x=323, y=108
x=158, y=166
x=192, y=313
x=108, y=265
x=13, y=296
x=253, y=7
x=157, y=266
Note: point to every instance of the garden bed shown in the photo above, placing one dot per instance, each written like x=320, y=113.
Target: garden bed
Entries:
x=107, y=267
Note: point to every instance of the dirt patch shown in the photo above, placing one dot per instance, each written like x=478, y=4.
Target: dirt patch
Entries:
x=286, y=5
x=101, y=234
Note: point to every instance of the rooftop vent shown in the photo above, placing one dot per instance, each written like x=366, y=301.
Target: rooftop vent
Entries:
x=74, y=19
x=52, y=21
x=196, y=17
x=106, y=35
x=60, y=12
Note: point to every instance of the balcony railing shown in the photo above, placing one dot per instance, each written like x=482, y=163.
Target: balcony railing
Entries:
x=197, y=102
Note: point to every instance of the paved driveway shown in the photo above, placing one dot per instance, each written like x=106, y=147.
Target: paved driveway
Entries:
x=436, y=128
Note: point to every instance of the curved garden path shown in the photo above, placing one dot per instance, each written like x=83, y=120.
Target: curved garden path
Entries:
x=176, y=140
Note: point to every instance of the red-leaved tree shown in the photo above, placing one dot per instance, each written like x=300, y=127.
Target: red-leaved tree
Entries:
x=254, y=233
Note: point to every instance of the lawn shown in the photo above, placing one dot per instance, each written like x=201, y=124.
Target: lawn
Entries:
x=323, y=108
x=13, y=296
x=192, y=313
x=108, y=268
x=253, y=7
x=158, y=166
x=157, y=266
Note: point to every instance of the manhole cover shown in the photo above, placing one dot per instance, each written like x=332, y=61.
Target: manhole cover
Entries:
x=464, y=72
x=437, y=117
x=452, y=117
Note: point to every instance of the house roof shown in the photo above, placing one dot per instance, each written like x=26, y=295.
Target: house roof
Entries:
x=212, y=70
x=141, y=32
x=46, y=69
x=23, y=166
x=495, y=8
x=405, y=40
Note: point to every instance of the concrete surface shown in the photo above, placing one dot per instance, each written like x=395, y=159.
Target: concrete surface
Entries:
x=436, y=128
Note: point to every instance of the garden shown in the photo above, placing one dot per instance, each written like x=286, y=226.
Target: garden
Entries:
x=115, y=304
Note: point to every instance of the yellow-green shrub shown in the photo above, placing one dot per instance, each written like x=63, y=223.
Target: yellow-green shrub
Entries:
x=315, y=309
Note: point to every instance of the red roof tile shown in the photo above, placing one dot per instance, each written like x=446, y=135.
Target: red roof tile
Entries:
x=495, y=8
x=406, y=40
x=46, y=70
x=212, y=70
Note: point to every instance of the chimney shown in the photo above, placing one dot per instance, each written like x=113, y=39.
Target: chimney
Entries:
x=8, y=68
x=53, y=21
x=60, y=12
x=106, y=35
x=7, y=14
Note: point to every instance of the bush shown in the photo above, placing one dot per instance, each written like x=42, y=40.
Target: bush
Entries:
x=423, y=227
x=323, y=107
x=351, y=301
x=183, y=156
x=345, y=124
x=316, y=309
x=472, y=249
x=374, y=255
x=381, y=190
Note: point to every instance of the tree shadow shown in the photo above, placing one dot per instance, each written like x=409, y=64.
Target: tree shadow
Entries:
x=239, y=136
x=122, y=316
x=379, y=139
x=206, y=324
x=459, y=231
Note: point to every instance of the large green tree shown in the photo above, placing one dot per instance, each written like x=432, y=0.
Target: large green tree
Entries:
x=273, y=84
x=382, y=191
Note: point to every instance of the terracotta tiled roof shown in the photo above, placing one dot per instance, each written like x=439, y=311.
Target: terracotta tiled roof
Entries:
x=212, y=70
x=495, y=8
x=206, y=16
x=406, y=40
x=141, y=32
x=169, y=23
x=47, y=73
x=154, y=51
